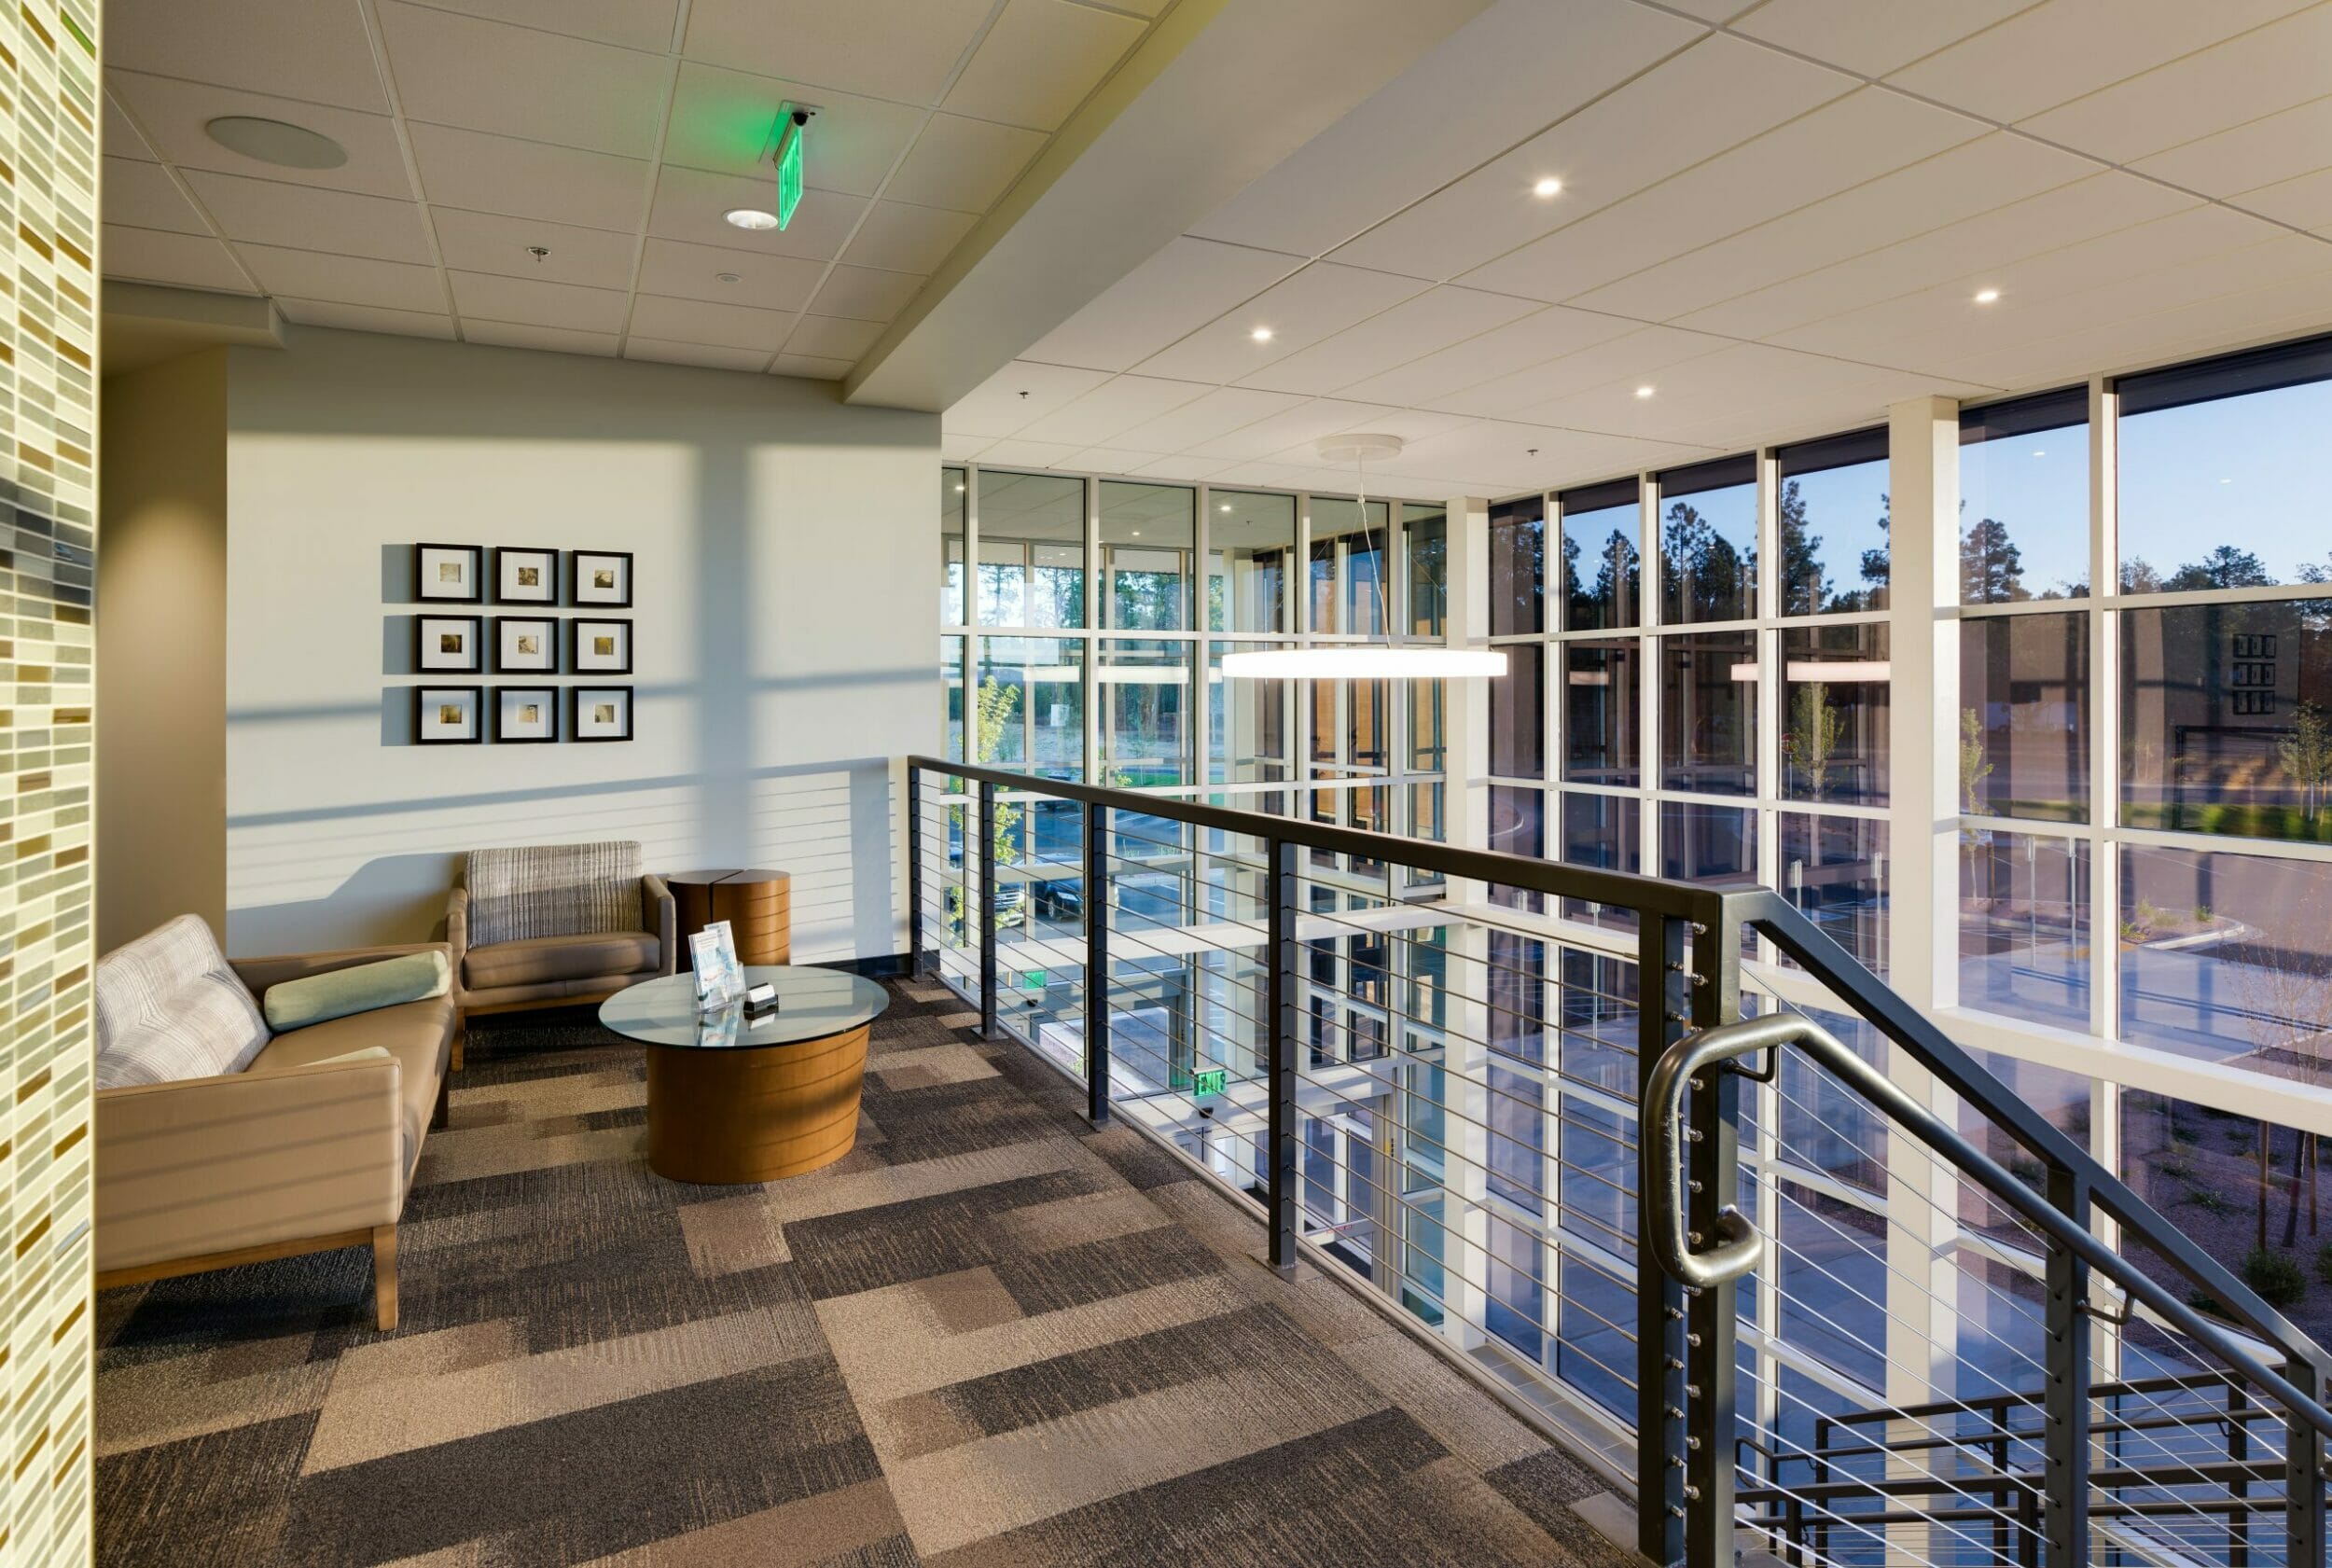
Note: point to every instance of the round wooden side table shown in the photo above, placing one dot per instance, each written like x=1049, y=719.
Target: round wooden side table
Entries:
x=758, y=905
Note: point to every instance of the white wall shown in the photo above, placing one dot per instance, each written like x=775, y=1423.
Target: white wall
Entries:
x=784, y=565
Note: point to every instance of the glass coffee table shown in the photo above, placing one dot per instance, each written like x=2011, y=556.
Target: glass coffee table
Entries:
x=734, y=1100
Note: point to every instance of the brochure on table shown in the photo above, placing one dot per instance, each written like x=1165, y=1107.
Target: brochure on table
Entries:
x=712, y=953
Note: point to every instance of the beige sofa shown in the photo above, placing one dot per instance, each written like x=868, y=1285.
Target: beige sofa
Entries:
x=283, y=1151
x=556, y=925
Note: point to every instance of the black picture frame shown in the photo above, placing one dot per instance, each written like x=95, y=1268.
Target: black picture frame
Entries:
x=575, y=633
x=550, y=698
x=428, y=585
x=424, y=696
x=579, y=695
x=472, y=642
x=547, y=628
x=583, y=596
x=509, y=557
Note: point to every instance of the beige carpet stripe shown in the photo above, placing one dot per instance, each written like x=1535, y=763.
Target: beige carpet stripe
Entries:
x=867, y=1328
x=461, y=1154
x=976, y=1490
x=951, y=1063
x=164, y=1401
x=616, y=1089
x=925, y=1178
x=731, y=1235
x=1468, y=1421
x=815, y=1529
x=1092, y=1216
x=419, y=1411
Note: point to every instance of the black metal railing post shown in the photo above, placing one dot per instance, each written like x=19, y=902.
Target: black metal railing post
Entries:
x=1710, y=1319
x=985, y=825
x=2303, y=1470
x=2239, y=1451
x=1660, y=1338
x=1096, y=964
x=914, y=871
x=1281, y=1007
x=2065, y=1392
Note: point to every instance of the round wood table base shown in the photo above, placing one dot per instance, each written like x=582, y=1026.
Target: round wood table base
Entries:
x=753, y=1114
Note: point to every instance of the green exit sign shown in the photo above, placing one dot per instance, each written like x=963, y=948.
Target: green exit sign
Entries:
x=1209, y=1082
x=789, y=175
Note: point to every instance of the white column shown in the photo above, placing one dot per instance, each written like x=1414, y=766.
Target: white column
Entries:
x=1466, y=810
x=1465, y=705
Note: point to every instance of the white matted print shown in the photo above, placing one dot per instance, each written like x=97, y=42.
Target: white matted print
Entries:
x=525, y=714
x=449, y=716
x=600, y=647
x=449, y=572
x=526, y=646
x=448, y=644
x=601, y=712
x=525, y=576
x=603, y=578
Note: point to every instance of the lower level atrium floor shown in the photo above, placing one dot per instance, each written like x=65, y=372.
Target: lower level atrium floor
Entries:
x=989, y=1336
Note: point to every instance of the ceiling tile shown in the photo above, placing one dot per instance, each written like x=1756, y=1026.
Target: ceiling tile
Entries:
x=900, y=49
x=516, y=81
x=810, y=367
x=663, y=351
x=143, y=196
x=1534, y=339
x=1020, y=392
x=1433, y=319
x=366, y=318
x=2062, y=49
x=901, y=238
x=694, y=321
x=832, y=338
x=1928, y=198
x=635, y=25
x=1853, y=139
x=2276, y=148
x=119, y=138
x=1321, y=299
x=726, y=121
x=1039, y=61
x=482, y=242
x=1027, y=454
x=1353, y=175
x=345, y=280
x=690, y=203
x=1306, y=423
x=2284, y=64
x=306, y=218
x=769, y=282
x=1871, y=40
x=556, y=339
x=254, y=43
x=865, y=293
x=1177, y=291
x=187, y=260
x=2305, y=201
x=532, y=302
x=173, y=114
x=527, y=179
x=963, y=449
x=1606, y=152
x=1117, y=405
x=1215, y=415
x=1641, y=355
x=966, y=165
x=2099, y=204
x=1186, y=468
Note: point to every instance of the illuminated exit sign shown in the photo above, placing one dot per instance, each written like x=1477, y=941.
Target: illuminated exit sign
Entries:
x=789, y=173
x=1209, y=1081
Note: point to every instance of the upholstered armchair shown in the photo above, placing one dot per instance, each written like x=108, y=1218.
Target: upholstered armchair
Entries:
x=556, y=925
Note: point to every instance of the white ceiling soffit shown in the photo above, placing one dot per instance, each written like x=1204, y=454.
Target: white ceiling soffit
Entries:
x=1771, y=220
x=1220, y=93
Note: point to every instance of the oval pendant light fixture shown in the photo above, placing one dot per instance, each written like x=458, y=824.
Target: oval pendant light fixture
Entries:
x=1387, y=660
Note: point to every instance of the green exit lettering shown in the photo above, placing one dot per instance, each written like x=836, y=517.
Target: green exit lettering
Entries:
x=1209, y=1082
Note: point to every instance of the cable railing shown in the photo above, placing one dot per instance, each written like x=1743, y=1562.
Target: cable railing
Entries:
x=1793, y=1306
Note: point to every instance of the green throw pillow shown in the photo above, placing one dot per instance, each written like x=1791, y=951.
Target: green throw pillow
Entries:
x=412, y=977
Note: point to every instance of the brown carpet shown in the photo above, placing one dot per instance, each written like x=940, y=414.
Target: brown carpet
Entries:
x=990, y=1335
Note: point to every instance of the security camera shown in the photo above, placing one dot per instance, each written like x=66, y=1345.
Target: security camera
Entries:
x=801, y=117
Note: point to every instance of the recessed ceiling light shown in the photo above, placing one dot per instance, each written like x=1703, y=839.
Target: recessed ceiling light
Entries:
x=1986, y=295
x=726, y=278
x=1261, y=334
x=1644, y=392
x=750, y=217
x=2039, y=451
x=272, y=141
x=2227, y=482
x=1137, y=533
x=959, y=490
x=1227, y=505
x=1548, y=186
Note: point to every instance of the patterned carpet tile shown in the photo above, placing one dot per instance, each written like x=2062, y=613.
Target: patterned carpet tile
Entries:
x=987, y=1335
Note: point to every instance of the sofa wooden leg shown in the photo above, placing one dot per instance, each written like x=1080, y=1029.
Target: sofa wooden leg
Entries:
x=444, y=1110
x=384, y=1276
x=459, y=1035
